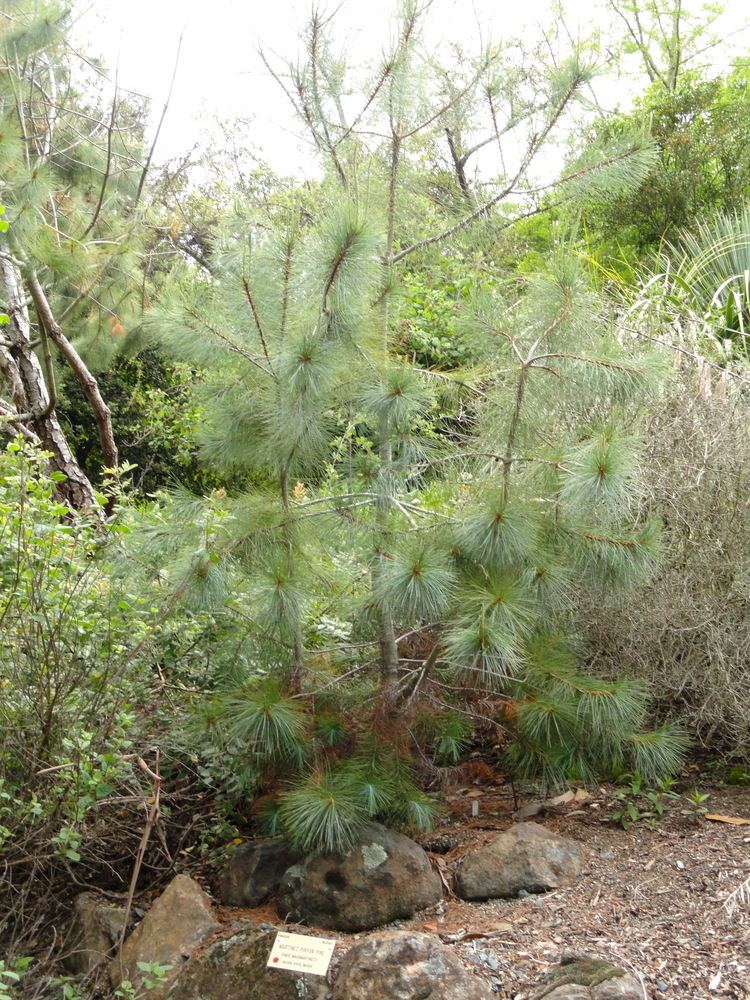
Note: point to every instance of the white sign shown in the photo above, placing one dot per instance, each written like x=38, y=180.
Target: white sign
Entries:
x=300, y=953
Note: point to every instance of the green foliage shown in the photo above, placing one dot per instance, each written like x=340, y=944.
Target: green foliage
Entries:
x=53, y=181
x=639, y=800
x=416, y=582
x=635, y=801
x=543, y=505
x=330, y=728
x=155, y=418
x=324, y=812
x=260, y=717
x=448, y=735
x=75, y=668
x=694, y=804
x=372, y=540
x=706, y=281
x=430, y=334
x=151, y=977
x=701, y=131
x=738, y=775
x=328, y=808
x=10, y=975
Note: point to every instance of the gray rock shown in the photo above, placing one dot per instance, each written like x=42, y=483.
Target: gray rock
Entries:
x=180, y=919
x=384, y=877
x=588, y=979
x=235, y=969
x=398, y=965
x=254, y=871
x=529, y=810
x=623, y=987
x=95, y=928
x=525, y=858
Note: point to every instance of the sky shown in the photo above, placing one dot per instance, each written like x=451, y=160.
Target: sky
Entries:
x=221, y=74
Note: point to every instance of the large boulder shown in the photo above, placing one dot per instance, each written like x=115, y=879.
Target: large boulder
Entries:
x=95, y=928
x=588, y=979
x=399, y=965
x=234, y=968
x=180, y=919
x=526, y=858
x=254, y=871
x=384, y=877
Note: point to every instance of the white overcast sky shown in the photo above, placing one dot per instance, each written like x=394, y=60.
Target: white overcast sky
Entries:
x=220, y=73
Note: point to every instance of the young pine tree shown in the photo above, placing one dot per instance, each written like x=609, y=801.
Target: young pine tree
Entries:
x=410, y=542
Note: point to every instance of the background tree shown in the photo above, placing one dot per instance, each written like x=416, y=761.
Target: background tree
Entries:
x=700, y=130
x=669, y=38
x=74, y=167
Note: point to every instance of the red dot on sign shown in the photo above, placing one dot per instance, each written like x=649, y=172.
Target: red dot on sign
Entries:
x=276, y=960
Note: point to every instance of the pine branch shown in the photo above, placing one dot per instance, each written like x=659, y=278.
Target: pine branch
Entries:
x=259, y=326
x=231, y=344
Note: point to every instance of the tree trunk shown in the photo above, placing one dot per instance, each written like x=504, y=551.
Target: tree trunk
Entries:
x=33, y=395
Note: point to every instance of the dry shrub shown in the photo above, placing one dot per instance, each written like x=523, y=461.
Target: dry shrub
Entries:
x=687, y=632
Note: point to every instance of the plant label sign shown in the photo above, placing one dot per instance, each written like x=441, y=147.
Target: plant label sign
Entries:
x=300, y=953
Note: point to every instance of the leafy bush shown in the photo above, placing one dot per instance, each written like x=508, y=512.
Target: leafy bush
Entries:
x=75, y=677
x=430, y=333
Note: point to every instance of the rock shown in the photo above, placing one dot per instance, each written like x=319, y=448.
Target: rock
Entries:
x=623, y=987
x=96, y=926
x=588, y=979
x=401, y=965
x=235, y=969
x=526, y=858
x=255, y=870
x=529, y=810
x=180, y=919
x=384, y=877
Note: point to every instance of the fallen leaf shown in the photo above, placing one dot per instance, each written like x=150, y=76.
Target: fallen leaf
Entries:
x=581, y=795
x=430, y=927
x=649, y=865
x=715, y=982
x=562, y=800
x=734, y=820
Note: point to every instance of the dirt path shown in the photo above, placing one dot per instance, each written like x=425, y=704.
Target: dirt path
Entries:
x=650, y=900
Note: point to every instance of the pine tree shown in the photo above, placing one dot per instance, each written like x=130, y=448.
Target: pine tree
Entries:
x=73, y=168
x=461, y=512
